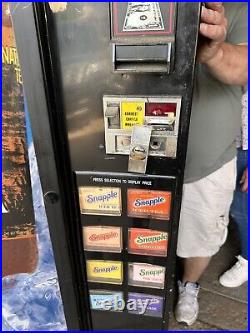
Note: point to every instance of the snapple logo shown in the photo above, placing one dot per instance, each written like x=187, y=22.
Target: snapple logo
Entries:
x=105, y=269
x=149, y=202
x=151, y=239
x=152, y=272
x=105, y=197
x=105, y=236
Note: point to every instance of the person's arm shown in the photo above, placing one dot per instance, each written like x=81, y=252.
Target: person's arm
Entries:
x=227, y=62
x=244, y=181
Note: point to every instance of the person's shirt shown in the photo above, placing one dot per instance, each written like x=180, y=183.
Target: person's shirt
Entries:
x=242, y=138
x=215, y=118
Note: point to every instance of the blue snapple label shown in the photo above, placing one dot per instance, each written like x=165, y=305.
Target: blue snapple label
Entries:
x=106, y=300
x=148, y=203
x=143, y=304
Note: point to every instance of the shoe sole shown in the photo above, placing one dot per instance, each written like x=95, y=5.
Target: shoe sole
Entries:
x=189, y=323
x=234, y=286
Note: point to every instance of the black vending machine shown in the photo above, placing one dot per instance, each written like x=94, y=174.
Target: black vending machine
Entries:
x=109, y=91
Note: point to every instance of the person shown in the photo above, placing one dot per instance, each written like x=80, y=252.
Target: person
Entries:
x=210, y=172
x=238, y=274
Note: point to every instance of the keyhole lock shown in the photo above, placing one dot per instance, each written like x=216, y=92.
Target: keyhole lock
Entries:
x=155, y=145
x=51, y=197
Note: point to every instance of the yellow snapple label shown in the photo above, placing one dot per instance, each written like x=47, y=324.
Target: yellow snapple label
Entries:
x=100, y=200
x=132, y=113
x=105, y=271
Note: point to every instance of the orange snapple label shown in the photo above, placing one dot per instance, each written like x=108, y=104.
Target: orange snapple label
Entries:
x=146, y=241
x=149, y=203
x=104, y=238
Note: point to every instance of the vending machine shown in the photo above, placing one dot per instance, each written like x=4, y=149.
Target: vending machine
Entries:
x=109, y=88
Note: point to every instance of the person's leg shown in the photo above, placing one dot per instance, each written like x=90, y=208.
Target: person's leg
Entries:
x=239, y=207
x=238, y=274
x=202, y=231
x=194, y=268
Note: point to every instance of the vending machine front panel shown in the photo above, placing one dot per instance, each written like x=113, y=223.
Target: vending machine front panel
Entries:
x=110, y=115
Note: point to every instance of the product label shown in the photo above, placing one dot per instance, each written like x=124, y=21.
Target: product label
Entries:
x=152, y=275
x=100, y=200
x=132, y=113
x=100, y=237
x=153, y=304
x=148, y=241
x=149, y=203
x=100, y=270
x=106, y=300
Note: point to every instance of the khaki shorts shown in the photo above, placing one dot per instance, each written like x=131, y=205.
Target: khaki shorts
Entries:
x=205, y=213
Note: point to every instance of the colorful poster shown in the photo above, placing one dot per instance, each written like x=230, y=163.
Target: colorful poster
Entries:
x=100, y=200
x=18, y=227
x=105, y=271
x=147, y=242
x=102, y=238
x=146, y=275
x=149, y=204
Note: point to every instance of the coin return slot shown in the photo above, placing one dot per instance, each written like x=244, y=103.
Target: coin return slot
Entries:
x=123, y=143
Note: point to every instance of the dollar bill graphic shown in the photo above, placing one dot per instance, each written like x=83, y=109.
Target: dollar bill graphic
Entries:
x=143, y=16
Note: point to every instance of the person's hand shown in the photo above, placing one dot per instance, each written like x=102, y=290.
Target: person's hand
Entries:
x=213, y=31
x=244, y=181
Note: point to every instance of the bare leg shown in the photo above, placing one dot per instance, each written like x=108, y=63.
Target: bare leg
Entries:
x=194, y=268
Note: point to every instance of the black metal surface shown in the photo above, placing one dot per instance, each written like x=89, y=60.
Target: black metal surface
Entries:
x=84, y=53
x=71, y=74
x=53, y=166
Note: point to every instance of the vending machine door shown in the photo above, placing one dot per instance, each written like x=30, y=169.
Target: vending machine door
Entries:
x=118, y=82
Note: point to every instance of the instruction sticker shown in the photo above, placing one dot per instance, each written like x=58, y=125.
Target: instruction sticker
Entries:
x=104, y=271
x=142, y=16
x=132, y=113
x=100, y=200
x=148, y=242
x=149, y=204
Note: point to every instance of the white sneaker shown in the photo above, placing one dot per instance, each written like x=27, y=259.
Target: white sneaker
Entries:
x=236, y=275
x=187, y=308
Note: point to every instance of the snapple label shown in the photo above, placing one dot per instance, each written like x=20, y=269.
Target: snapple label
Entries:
x=100, y=200
x=105, y=271
x=142, y=275
x=102, y=238
x=148, y=242
x=148, y=203
x=105, y=300
x=153, y=304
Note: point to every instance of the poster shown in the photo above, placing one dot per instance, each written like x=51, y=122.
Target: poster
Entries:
x=19, y=248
